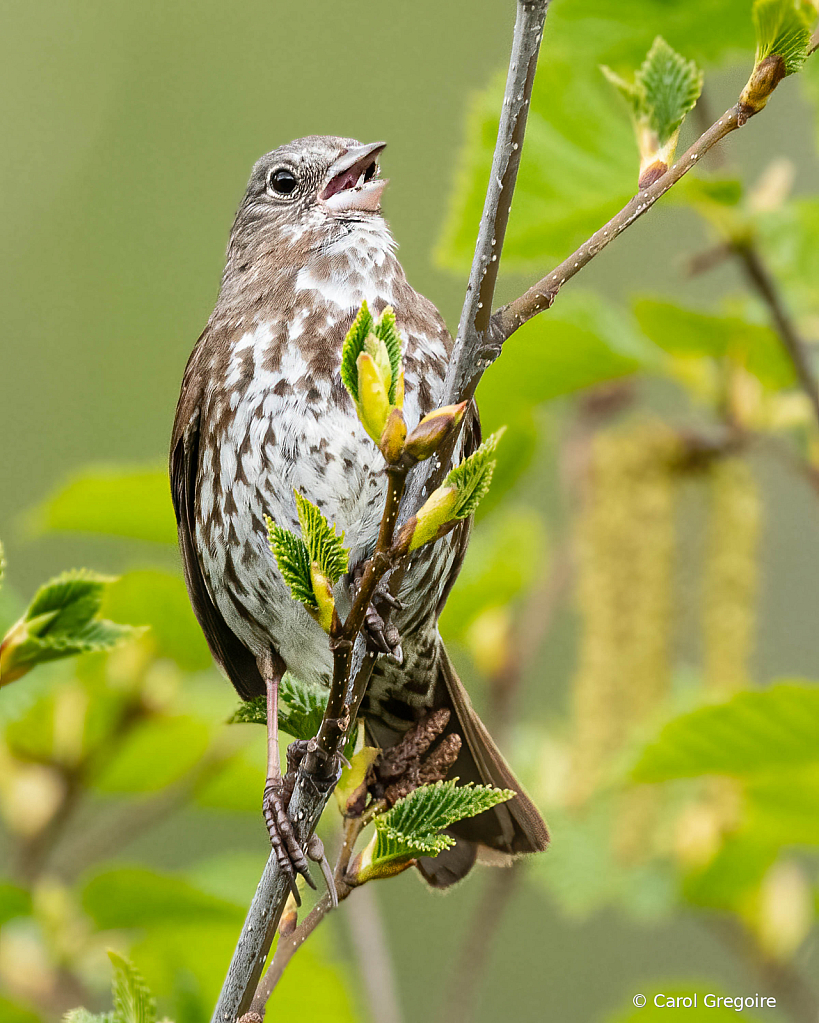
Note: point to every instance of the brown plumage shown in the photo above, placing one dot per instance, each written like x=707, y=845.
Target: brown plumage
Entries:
x=263, y=411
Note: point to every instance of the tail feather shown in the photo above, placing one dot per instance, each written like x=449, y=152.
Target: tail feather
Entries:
x=497, y=835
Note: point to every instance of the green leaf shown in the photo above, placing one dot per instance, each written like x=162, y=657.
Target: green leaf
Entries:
x=783, y=28
x=751, y=733
x=84, y=1016
x=582, y=341
x=578, y=159
x=60, y=622
x=386, y=330
x=116, y=501
x=671, y=86
x=293, y=559
x=473, y=477
x=324, y=546
x=681, y=331
x=411, y=828
x=14, y=901
x=133, y=1002
x=504, y=558
x=301, y=708
x=159, y=600
x=156, y=753
x=137, y=897
x=353, y=347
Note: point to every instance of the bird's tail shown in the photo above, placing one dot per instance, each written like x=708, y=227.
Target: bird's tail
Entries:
x=497, y=835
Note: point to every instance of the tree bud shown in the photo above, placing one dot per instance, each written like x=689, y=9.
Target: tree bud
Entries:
x=373, y=396
x=430, y=433
x=393, y=436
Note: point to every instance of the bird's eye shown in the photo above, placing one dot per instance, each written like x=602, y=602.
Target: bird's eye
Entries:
x=282, y=181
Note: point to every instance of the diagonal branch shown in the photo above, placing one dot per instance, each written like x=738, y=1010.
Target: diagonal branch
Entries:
x=764, y=284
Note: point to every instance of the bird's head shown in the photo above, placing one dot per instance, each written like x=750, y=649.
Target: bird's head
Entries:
x=312, y=186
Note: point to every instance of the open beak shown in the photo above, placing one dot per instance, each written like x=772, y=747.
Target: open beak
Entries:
x=352, y=181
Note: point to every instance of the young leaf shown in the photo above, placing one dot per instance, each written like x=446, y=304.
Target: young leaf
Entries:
x=671, y=85
x=665, y=88
x=472, y=478
x=353, y=347
x=412, y=828
x=133, y=1002
x=293, y=559
x=84, y=1016
x=387, y=331
x=60, y=621
x=324, y=546
x=783, y=29
x=301, y=708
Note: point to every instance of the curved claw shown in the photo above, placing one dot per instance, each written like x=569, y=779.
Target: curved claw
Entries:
x=315, y=850
x=289, y=854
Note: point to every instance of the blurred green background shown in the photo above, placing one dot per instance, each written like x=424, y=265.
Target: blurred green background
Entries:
x=130, y=132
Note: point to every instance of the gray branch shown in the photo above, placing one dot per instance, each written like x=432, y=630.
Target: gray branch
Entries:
x=308, y=801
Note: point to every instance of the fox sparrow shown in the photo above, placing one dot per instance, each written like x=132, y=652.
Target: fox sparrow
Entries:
x=263, y=411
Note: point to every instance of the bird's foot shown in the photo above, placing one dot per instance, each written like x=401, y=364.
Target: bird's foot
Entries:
x=384, y=635
x=289, y=854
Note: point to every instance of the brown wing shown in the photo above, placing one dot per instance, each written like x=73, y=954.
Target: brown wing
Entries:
x=232, y=656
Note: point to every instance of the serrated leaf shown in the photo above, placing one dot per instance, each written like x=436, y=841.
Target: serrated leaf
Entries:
x=353, y=347
x=387, y=331
x=133, y=1002
x=301, y=708
x=671, y=86
x=324, y=545
x=293, y=559
x=412, y=827
x=60, y=622
x=783, y=28
x=473, y=477
x=84, y=1016
x=751, y=733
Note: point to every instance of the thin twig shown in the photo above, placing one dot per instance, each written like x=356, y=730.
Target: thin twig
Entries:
x=763, y=283
x=372, y=954
x=314, y=782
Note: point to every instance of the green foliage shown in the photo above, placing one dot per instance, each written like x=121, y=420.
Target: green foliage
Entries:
x=318, y=546
x=133, y=1002
x=473, y=477
x=665, y=88
x=61, y=621
x=324, y=546
x=578, y=166
x=116, y=501
x=783, y=28
x=505, y=557
x=14, y=901
x=384, y=329
x=750, y=733
x=84, y=1016
x=156, y=753
x=159, y=600
x=353, y=347
x=687, y=332
x=413, y=826
x=301, y=708
x=293, y=559
x=138, y=897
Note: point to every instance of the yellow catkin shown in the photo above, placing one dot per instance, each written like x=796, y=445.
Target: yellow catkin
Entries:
x=730, y=577
x=625, y=542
